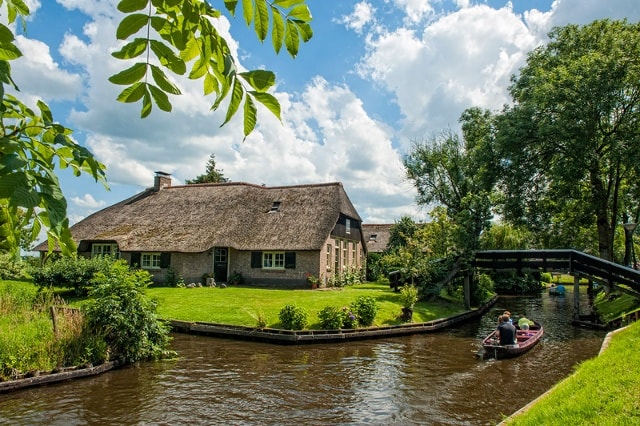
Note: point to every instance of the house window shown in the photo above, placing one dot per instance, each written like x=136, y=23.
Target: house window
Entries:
x=150, y=261
x=373, y=237
x=275, y=207
x=345, y=259
x=353, y=253
x=329, y=256
x=348, y=225
x=273, y=260
x=105, y=250
x=337, y=259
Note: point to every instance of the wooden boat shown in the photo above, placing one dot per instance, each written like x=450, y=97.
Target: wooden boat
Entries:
x=527, y=339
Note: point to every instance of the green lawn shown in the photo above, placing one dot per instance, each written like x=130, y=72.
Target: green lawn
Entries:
x=603, y=391
x=242, y=305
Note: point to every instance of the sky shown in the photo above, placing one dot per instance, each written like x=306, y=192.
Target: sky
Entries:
x=376, y=77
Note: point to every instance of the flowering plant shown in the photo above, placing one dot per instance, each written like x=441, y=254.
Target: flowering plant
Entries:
x=312, y=279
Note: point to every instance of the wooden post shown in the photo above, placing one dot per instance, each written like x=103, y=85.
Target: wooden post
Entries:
x=54, y=320
x=467, y=291
x=576, y=296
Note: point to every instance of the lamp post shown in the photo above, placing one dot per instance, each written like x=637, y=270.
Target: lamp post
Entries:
x=629, y=251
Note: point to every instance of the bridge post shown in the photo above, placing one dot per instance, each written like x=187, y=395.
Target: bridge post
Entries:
x=576, y=297
x=467, y=290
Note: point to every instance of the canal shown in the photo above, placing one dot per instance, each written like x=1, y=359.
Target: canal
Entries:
x=432, y=379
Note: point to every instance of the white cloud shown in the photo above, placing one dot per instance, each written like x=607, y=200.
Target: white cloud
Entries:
x=362, y=15
x=39, y=77
x=87, y=201
x=460, y=60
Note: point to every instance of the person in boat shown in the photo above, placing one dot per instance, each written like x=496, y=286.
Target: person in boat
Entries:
x=506, y=331
x=508, y=315
x=524, y=323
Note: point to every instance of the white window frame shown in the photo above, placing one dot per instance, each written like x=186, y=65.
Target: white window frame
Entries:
x=348, y=226
x=272, y=260
x=105, y=249
x=150, y=260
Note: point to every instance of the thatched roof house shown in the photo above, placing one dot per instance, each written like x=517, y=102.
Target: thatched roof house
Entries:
x=376, y=236
x=270, y=235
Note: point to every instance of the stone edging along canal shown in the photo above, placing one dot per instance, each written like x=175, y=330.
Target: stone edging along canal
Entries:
x=296, y=337
x=270, y=335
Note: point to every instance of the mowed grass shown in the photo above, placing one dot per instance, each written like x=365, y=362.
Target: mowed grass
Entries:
x=240, y=305
x=603, y=391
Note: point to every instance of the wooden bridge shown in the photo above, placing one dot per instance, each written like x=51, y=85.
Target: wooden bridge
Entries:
x=573, y=262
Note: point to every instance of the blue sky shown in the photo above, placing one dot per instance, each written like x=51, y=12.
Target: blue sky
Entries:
x=376, y=76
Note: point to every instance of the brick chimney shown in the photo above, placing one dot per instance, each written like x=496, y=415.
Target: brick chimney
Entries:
x=161, y=180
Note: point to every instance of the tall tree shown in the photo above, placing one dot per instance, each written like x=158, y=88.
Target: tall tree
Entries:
x=174, y=34
x=458, y=173
x=571, y=138
x=212, y=174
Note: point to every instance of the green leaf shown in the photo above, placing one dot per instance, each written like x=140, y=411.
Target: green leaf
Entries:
x=210, y=84
x=6, y=35
x=163, y=82
x=131, y=25
x=132, y=93
x=161, y=98
x=26, y=197
x=269, y=101
x=304, y=30
x=291, y=39
x=45, y=112
x=8, y=52
x=260, y=80
x=130, y=75
x=131, y=50
x=249, y=116
x=231, y=6
x=286, y=3
x=128, y=6
x=147, y=106
x=300, y=13
x=234, y=103
x=277, y=31
x=9, y=183
x=247, y=9
x=167, y=57
x=261, y=22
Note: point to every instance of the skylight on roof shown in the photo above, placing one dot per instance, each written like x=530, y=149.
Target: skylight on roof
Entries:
x=373, y=237
x=275, y=207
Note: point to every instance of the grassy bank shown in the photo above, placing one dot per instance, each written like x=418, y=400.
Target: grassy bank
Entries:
x=243, y=305
x=603, y=391
x=27, y=340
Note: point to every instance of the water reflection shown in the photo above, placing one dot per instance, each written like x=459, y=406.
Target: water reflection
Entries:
x=421, y=379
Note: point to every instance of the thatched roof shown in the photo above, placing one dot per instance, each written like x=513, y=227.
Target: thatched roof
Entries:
x=376, y=236
x=195, y=218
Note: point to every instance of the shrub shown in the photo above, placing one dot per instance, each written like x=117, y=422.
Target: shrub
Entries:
x=365, y=308
x=293, y=317
x=482, y=290
x=71, y=272
x=236, y=278
x=12, y=269
x=331, y=318
x=124, y=316
x=408, y=296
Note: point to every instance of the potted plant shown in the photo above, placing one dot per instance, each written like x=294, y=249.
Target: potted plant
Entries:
x=408, y=298
x=313, y=280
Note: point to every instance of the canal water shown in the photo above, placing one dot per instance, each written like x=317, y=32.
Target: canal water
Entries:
x=427, y=379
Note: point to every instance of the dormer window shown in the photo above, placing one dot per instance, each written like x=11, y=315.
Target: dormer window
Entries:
x=373, y=237
x=348, y=225
x=275, y=207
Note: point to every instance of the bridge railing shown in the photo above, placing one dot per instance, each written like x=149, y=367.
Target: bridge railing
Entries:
x=568, y=261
